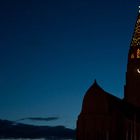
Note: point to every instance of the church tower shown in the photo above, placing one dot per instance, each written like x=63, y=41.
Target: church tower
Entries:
x=132, y=87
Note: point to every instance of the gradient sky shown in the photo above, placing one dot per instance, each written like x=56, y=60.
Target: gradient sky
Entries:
x=52, y=50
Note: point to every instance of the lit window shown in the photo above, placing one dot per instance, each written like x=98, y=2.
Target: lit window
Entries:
x=138, y=53
x=132, y=56
x=134, y=42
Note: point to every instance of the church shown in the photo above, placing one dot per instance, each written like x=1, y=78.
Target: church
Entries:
x=106, y=117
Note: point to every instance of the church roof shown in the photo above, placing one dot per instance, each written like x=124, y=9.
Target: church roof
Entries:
x=97, y=101
x=96, y=89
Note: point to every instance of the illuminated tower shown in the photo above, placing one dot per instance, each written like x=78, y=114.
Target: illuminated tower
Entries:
x=132, y=87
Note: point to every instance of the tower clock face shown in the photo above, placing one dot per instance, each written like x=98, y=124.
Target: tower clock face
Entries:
x=138, y=70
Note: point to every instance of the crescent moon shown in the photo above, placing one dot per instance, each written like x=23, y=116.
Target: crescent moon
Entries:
x=138, y=70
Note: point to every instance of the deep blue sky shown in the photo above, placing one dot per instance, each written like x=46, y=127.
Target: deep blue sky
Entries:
x=51, y=51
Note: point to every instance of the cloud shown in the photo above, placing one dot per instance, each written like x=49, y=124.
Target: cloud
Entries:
x=40, y=119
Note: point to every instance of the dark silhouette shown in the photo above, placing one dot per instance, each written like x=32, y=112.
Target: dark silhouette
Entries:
x=9, y=129
x=47, y=119
x=106, y=117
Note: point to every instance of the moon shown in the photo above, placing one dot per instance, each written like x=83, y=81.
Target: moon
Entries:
x=138, y=70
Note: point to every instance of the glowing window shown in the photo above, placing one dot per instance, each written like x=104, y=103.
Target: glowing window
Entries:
x=138, y=53
x=132, y=56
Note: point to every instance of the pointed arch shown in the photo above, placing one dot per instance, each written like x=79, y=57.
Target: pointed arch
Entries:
x=132, y=56
x=138, y=53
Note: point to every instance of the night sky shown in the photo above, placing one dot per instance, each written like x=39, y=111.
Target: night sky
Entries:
x=51, y=51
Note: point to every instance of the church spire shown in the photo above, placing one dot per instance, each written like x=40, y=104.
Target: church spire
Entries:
x=132, y=87
x=136, y=35
x=134, y=52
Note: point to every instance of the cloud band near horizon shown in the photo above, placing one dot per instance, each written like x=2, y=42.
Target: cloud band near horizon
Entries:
x=39, y=119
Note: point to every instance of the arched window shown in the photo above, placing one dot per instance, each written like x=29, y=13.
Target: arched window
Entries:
x=138, y=53
x=132, y=56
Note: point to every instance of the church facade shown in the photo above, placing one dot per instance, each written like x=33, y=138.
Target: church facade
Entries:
x=106, y=117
